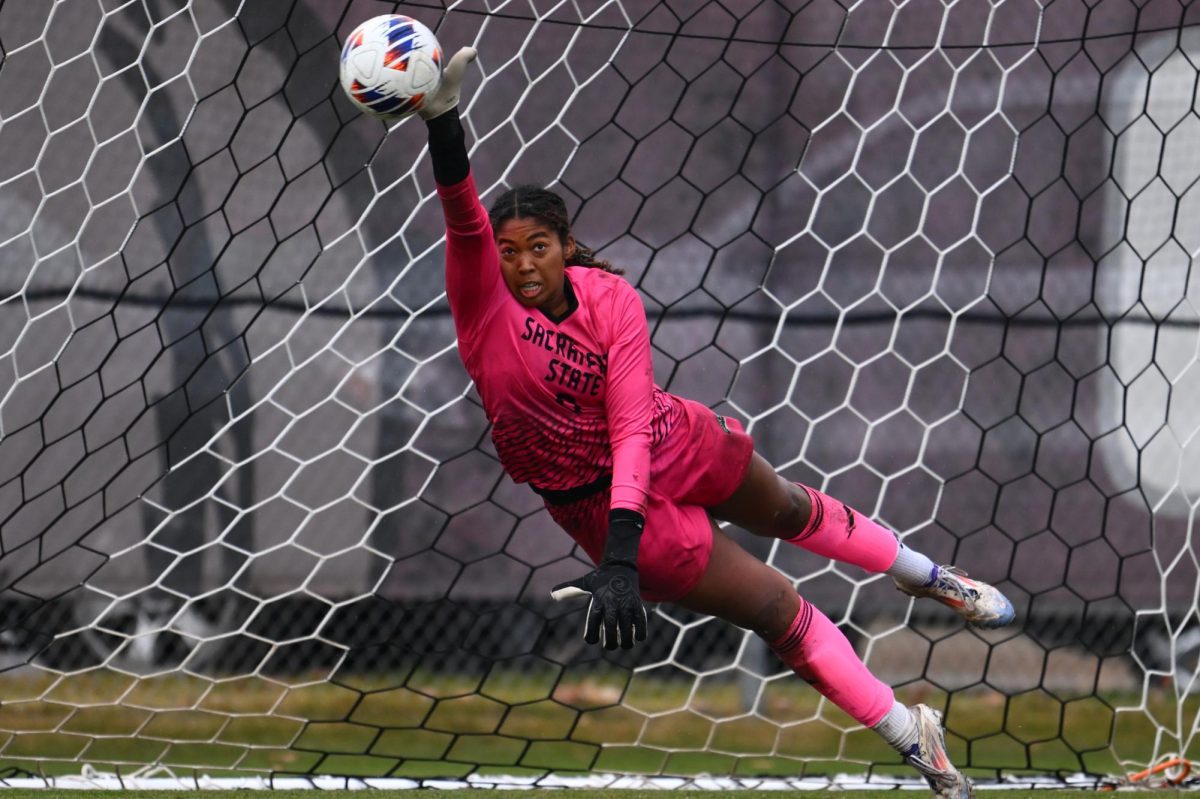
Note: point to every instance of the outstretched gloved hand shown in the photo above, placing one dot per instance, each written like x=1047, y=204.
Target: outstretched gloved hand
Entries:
x=446, y=96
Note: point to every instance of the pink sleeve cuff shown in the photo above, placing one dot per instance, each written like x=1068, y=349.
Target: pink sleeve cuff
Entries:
x=629, y=498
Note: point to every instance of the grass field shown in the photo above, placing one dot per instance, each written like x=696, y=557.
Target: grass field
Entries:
x=474, y=793
x=439, y=726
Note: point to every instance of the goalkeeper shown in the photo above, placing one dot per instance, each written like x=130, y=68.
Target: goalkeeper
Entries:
x=559, y=349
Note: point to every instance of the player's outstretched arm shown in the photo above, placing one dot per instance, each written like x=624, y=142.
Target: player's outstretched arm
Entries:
x=447, y=141
x=472, y=263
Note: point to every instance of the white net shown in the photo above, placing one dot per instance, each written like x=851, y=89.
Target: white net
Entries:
x=936, y=255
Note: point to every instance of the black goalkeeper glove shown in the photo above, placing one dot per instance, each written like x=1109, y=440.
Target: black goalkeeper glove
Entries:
x=616, y=615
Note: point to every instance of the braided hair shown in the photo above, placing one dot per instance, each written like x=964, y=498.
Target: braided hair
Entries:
x=525, y=202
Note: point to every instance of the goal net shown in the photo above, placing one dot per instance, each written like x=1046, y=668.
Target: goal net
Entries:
x=937, y=256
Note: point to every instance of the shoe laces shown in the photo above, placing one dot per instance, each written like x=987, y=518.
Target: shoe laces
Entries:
x=966, y=594
x=943, y=782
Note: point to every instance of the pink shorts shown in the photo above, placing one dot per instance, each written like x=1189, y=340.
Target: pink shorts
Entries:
x=702, y=461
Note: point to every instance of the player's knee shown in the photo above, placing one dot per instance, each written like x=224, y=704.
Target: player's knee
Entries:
x=792, y=516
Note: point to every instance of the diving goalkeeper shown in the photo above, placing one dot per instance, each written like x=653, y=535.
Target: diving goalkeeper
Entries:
x=559, y=349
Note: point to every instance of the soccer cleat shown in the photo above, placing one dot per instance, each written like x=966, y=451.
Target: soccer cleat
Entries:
x=928, y=756
x=979, y=603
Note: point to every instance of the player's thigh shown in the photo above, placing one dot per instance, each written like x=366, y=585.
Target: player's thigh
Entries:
x=744, y=591
x=765, y=504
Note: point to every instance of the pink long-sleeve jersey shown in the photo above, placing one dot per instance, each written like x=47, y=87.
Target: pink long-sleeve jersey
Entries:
x=570, y=400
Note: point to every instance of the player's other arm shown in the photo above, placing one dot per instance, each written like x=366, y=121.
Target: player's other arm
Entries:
x=629, y=400
x=629, y=408
x=616, y=615
x=472, y=265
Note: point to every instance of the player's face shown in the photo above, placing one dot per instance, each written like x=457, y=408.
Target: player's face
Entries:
x=533, y=260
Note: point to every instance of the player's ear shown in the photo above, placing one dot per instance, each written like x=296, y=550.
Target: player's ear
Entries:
x=569, y=248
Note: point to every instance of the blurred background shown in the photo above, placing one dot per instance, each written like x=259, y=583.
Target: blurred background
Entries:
x=937, y=256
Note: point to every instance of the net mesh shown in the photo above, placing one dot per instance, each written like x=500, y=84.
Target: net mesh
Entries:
x=936, y=255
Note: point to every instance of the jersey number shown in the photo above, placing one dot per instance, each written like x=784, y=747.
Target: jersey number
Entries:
x=567, y=401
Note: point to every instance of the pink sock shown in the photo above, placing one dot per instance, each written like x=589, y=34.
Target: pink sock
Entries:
x=836, y=531
x=817, y=650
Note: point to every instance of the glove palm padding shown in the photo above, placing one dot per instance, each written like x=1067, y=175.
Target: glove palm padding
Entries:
x=616, y=616
x=447, y=93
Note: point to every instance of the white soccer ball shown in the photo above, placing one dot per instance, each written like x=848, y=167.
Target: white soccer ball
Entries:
x=389, y=65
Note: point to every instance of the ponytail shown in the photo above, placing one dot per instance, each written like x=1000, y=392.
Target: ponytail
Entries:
x=585, y=257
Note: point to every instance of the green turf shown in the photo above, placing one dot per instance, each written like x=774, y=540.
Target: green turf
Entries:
x=474, y=793
x=430, y=726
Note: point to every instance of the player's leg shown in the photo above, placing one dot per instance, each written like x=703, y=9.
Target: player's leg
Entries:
x=713, y=464
x=768, y=505
x=744, y=591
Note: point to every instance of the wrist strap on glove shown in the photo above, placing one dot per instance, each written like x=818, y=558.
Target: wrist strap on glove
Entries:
x=624, y=536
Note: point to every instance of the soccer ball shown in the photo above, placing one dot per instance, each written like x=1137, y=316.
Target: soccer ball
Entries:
x=389, y=64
